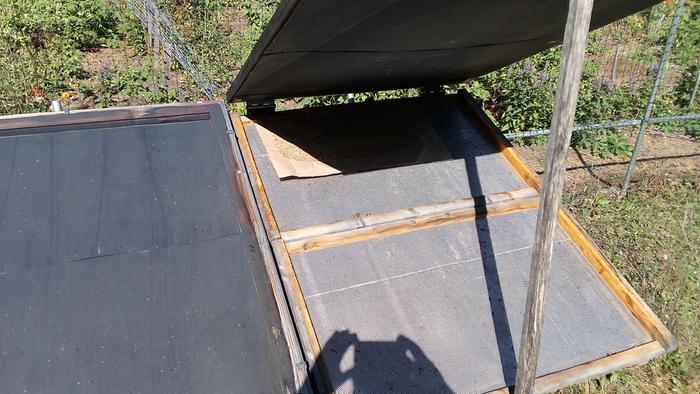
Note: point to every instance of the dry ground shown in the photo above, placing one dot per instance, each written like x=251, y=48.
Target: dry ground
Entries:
x=663, y=155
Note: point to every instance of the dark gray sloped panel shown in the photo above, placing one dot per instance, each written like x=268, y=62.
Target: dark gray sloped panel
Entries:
x=125, y=266
x=316, y=47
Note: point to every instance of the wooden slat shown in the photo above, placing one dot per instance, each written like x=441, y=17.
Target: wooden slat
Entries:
x=370, y=226
x=627, y=358
x=270, y=221
x=300, y=313
x=619, y=286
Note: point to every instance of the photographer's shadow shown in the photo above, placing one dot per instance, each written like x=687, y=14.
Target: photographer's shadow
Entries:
x=398, y=366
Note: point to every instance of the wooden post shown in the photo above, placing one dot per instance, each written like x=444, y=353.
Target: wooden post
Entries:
x=167, y=63
x=695, y=90
x=577, y=25
x=613, y=74
x=180, y=92
x=156, y=60
x=149, y=33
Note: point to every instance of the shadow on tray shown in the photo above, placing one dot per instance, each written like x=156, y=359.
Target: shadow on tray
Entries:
x=398, y=366
x=318, y=142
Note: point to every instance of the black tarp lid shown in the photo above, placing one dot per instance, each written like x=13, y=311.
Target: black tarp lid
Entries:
x=316, y=47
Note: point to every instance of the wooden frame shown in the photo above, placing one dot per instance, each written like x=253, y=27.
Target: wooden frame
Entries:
x=365, y=227
x=286, y=243
x=277, y=246
x=300, y=313
x=663, y=340
x=301, y=376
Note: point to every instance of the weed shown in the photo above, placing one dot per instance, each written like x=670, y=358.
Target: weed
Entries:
x=691, y=128
x=605, y=143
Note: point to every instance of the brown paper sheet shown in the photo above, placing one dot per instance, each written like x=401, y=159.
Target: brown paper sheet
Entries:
x=318, y=147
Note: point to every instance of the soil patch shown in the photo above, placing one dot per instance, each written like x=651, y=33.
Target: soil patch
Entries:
x=666, y=155
x=123, y=58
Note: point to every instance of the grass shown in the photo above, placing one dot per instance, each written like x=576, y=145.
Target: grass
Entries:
x=653, y=238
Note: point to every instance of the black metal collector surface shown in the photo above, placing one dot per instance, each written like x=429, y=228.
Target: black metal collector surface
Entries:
x=128, y=263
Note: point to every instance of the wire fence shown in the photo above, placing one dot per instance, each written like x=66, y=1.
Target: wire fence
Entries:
x=606, y=125
x=628, y=62
x=164, y=39
x=631, y=63
x=624, y=63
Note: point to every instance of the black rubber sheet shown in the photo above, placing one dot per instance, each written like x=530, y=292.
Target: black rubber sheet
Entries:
x=125, y=266
x=314, y=47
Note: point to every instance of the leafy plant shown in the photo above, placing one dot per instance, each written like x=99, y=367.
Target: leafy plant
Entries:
x=116, y=86
x=42, y=44
x=317, y=101
x=520, y=97
x=683, y=91
x=259, y=12
x=605, y=143
x=691, y=128
x=79, y=23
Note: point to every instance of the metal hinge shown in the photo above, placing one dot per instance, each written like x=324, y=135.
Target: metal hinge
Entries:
x=260, y=106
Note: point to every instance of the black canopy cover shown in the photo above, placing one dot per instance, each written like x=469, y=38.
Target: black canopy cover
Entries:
x=315, y=47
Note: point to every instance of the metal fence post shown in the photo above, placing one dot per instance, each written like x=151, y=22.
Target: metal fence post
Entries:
x=652, y=98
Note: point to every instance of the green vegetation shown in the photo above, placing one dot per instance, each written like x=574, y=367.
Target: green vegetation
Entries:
x=604, y=143
x=61, y=48
x=44, y=51
x=44, y=46
x=652, y=238
x=40, y=48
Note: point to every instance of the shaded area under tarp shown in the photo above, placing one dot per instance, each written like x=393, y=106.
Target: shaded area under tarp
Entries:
x=125, y=266
x=314, y=47
x=301, y=203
